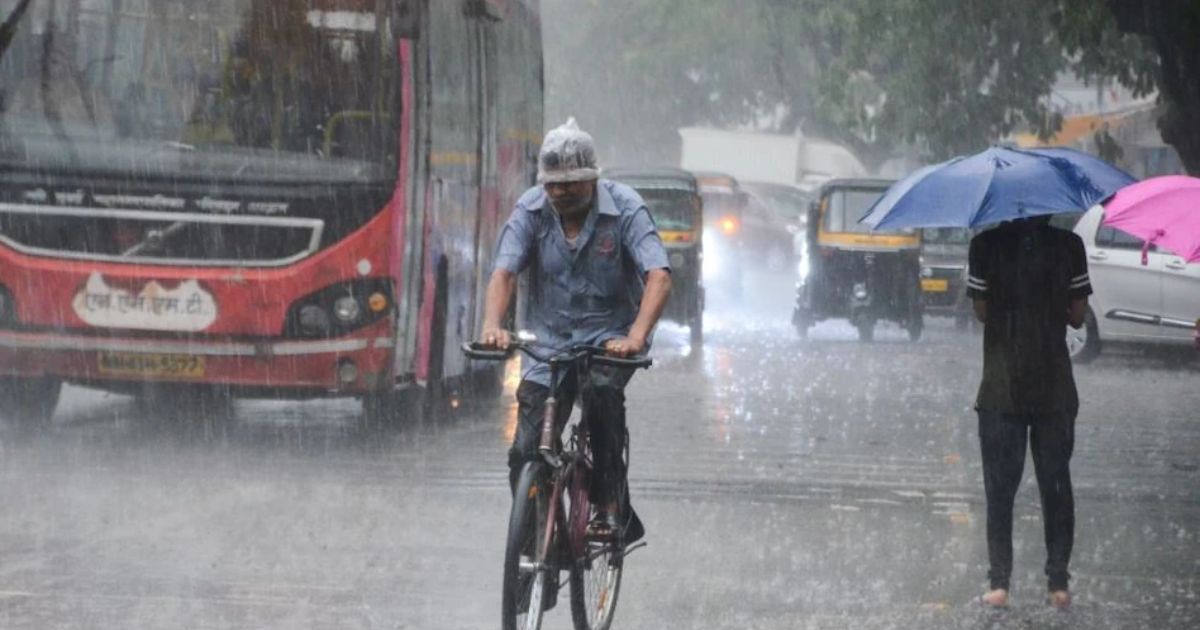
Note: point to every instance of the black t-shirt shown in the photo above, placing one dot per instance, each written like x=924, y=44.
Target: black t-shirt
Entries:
x=1028, y=274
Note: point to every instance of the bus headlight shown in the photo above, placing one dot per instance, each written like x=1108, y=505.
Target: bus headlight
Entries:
x=340, y=308
x=314, y=321
x=346, y=309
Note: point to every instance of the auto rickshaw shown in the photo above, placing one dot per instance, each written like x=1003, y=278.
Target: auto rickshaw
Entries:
x=851, y=272
x=673, y=198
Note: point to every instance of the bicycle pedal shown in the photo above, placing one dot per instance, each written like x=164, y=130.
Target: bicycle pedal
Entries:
x=628, y=550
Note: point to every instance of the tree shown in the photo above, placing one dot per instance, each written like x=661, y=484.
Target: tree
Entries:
x=1145, y=46
x=952, y=75
x=939, y=77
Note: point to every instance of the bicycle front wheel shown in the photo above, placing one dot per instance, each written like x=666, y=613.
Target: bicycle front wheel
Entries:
x=596, y=566
x=595, y=583
x=525, y=570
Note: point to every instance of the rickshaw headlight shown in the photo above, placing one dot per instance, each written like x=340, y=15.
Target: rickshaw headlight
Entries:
x=926, y=272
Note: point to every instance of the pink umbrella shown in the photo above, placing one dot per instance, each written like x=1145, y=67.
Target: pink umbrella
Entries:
x=1163, y=211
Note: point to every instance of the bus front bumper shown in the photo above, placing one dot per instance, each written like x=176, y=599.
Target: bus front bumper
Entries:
x=347, y=366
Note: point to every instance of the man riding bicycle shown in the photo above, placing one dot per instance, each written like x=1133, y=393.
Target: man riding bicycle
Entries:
x=598, y=275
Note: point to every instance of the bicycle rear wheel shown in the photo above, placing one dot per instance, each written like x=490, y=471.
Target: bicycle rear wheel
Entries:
x=525, y=571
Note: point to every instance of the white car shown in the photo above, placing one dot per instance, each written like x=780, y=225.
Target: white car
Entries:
x=1155, y=303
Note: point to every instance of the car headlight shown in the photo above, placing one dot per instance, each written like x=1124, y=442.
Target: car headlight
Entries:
x=926, y=272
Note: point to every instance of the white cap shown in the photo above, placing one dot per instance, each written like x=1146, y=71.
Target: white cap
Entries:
x=568, y=154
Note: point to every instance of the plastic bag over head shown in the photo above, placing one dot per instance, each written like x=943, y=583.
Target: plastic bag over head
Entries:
x=568, y=154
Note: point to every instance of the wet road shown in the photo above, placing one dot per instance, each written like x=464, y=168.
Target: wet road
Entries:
x=785, y=484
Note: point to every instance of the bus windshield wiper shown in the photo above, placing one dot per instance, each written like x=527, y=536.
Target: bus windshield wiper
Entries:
x=8, y=30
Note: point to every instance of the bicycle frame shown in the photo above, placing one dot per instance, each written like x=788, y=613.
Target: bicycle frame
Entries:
x=562, y=472
x=564, y=464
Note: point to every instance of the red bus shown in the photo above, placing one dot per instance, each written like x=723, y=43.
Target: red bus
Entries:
x=272, y=197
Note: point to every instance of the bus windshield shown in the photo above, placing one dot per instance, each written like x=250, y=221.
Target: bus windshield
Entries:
x=225, y=91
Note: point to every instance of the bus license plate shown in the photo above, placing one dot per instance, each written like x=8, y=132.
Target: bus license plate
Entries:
x=935, y=285
x=161, y=365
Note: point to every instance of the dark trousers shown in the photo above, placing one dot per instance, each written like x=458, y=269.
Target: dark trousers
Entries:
x=1002, y=440
x=604, y=401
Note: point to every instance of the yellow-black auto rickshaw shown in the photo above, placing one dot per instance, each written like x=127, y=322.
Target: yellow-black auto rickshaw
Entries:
x=674, y=201
x=851, y=272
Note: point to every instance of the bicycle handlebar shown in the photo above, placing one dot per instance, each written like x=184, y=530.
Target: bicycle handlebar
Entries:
x=476, y=350
x=598, y=354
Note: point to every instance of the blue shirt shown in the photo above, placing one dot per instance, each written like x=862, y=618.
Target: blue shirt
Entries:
x=589, y=292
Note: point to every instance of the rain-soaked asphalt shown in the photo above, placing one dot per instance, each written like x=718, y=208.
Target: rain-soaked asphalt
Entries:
x=785, y=485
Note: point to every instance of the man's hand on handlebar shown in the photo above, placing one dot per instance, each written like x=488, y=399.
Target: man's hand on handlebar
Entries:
x=495, y=338
x=624, y=347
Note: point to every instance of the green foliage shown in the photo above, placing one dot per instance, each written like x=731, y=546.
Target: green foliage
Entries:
x=1090, y=36
x=957, y=74
x=942, y=77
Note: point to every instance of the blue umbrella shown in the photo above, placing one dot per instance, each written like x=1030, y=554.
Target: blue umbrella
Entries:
x=997, y=185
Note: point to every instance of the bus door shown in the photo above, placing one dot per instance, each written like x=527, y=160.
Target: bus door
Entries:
x=450, y=263
x=491, y=213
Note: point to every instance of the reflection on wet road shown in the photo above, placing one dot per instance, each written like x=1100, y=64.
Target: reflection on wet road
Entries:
x=785, y=484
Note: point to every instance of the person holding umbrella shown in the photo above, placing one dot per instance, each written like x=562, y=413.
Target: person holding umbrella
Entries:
x=1028, y=280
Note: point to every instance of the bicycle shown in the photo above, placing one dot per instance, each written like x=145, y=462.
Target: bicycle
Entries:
x=548, y=525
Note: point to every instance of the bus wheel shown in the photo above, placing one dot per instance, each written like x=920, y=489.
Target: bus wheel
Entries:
x=392, y=409
x=29, y=402
x=487, y=384
x=437, y=393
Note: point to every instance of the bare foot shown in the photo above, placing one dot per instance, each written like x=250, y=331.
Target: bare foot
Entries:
x=996, y=598
x=1060, y=599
